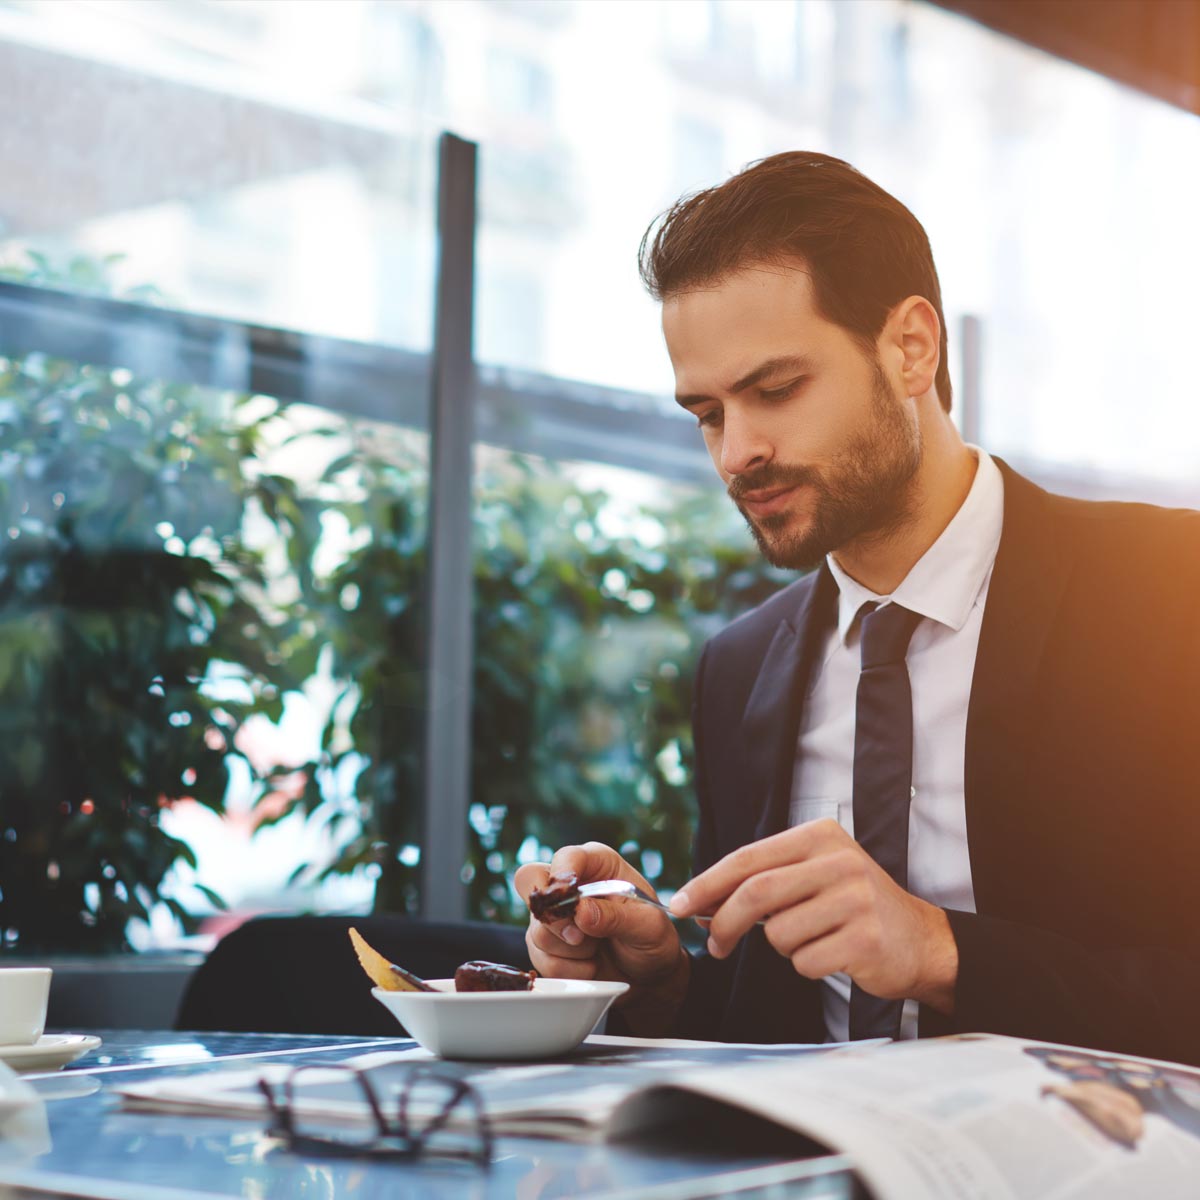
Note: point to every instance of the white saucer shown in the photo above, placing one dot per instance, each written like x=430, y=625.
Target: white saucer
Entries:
x=48, y=1053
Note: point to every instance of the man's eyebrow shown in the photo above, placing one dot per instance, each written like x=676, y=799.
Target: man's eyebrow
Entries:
x=799, y=363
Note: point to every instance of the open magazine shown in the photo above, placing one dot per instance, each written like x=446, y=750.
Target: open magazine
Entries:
x=973, y=1117
x=570, y=1098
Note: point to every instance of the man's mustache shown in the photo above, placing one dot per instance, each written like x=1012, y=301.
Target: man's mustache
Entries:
x=773, y=478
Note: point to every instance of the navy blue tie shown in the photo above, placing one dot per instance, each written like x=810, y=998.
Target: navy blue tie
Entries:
x=883, y=742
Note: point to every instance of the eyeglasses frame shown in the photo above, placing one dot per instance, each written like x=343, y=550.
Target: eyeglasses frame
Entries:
x=392, y=1139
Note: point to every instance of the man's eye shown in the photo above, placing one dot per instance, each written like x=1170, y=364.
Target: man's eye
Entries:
x=710, y=419
x=782, y=393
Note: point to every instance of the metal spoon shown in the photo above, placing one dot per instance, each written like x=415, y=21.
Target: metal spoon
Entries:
x=620, y=889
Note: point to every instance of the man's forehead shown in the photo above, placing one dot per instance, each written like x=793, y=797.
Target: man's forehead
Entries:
x=716, y=335
x=740, y=306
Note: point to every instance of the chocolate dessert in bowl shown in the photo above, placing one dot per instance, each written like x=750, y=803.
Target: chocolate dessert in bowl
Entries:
x=488, y=1010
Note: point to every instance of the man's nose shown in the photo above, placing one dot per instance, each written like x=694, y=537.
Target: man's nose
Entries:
x=743, y=444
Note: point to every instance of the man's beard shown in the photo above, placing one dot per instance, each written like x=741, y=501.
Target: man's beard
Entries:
x=864, y=493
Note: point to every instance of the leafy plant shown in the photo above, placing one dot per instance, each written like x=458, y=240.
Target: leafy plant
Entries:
x=365, y=785
x=139, y=628
x=589, y=622
x=586, y=636
x=159, y=585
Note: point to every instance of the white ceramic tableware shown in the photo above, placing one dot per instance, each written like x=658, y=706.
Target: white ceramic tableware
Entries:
x=51, y=1052
x=24, y=992
x=551, y=1019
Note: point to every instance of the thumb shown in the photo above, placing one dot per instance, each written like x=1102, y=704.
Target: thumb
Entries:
x=530, y=876
x=590, y=861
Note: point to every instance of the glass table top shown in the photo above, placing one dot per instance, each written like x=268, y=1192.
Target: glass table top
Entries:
x=127, y=1049
x=80, y=1142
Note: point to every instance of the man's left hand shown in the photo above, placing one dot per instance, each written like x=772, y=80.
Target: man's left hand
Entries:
x=828, y=907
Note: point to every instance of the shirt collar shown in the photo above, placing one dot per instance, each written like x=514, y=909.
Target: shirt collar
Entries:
x=947, y=580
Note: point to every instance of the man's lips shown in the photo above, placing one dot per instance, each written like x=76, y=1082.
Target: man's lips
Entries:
x=765, y=501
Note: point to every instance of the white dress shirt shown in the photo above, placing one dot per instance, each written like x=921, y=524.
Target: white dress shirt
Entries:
x=948, y=586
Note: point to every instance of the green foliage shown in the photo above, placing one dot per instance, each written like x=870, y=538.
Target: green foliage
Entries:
x=160, y=584
x=585, y=639
x=365, y=785
x=136, y=632
x=588, y=627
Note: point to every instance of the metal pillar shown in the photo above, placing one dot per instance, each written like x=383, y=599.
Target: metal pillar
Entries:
x=449, y=584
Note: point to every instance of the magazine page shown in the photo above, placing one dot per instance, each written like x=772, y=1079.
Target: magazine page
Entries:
x=570, y=1097
x=977, y=1118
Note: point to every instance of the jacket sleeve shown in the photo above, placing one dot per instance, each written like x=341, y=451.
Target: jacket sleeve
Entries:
x=1027, y=982
x=1137, y=994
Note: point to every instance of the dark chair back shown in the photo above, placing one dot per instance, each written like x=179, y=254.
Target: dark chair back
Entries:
x=300, y=974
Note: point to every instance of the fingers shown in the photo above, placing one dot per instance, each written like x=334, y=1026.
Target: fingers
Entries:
x=530, y=876
x=630, y=937
x=1114, y=1113
x=559, y=948
x=800, y=926
x=559, y=938
x=560, y=951
x=548, y=939
x=592, y=861
x=829, y=955
x=786, y=898
x=710, y=888
x=829, y=908
x=556, y=959
x=841, y=951
x=636, y=926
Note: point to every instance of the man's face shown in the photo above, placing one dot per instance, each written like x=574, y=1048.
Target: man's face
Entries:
x=813, y=443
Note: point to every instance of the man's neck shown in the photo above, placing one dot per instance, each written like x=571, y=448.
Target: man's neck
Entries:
x=881, y=562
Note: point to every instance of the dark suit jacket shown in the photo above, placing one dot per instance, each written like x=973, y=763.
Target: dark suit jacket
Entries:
x=1082, y=786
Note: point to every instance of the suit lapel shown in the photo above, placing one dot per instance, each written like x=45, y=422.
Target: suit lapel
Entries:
x=1032, y=567
x=768, y=997
x=772, y=719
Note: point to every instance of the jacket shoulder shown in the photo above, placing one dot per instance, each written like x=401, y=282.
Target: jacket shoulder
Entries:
x=1127, y=535
x=1131, y=531
x=757, y=627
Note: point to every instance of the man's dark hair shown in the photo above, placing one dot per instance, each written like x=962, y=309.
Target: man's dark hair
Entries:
x=864, y=251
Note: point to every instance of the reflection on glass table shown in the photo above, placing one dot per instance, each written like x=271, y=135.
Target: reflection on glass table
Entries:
x=130, y=1049
x=78, y=1141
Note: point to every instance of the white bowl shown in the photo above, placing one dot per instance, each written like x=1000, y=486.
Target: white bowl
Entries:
x=551, y=1019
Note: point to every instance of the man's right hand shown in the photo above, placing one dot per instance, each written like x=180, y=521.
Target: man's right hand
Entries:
x=610, y=939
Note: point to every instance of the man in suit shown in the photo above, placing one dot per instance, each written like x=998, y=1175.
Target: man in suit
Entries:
x=948, y=780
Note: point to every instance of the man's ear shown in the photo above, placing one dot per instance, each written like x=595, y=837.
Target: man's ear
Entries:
x=914, y=333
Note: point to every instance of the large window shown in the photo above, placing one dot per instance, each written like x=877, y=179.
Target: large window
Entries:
x=270, y=161
x=217, y=228
x=200, y=453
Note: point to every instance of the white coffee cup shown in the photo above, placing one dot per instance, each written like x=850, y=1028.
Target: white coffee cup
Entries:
x=24, y=992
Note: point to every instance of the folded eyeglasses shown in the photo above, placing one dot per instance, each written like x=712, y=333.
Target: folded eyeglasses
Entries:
x=430, y=1113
